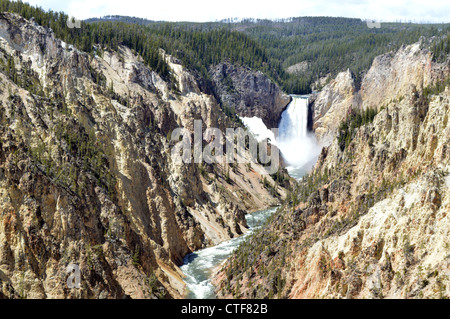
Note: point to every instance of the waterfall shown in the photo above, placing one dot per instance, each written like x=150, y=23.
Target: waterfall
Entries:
x=294, y=120
x=297, y=145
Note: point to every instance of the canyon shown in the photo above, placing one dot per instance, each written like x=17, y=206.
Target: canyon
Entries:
x=358, y=209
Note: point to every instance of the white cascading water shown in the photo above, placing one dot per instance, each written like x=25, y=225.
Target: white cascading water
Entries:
x=294, y=120
x=297, y=145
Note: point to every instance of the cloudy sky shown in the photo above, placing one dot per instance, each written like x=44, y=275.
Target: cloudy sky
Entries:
x=210, y=10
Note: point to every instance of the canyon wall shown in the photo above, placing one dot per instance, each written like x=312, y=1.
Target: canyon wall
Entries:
x=87, y=178
x=250, y=93
x=391, y=76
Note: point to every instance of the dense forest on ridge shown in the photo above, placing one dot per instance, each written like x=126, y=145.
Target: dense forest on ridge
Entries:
x=324, y=45
x=327, y=45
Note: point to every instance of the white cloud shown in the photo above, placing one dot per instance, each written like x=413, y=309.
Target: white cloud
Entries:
x=204, y=10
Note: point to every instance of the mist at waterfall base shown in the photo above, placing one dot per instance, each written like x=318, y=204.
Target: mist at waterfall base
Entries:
x=297, y=145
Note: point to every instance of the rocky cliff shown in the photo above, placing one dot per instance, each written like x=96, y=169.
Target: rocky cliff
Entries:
x=391, y=76
x=331, y=105
x=372, y=219
x=86, y=175
x=249, y=92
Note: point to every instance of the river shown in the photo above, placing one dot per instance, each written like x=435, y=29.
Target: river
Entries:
x=198, y=266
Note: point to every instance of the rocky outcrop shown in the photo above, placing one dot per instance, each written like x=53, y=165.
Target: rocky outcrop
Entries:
x=392, y=76
x=331, y=105
x=87, y=178
x=298, y=67
x=249, y=92
x=370, y=221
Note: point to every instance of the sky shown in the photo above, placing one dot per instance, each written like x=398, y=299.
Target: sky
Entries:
x=436, y=11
